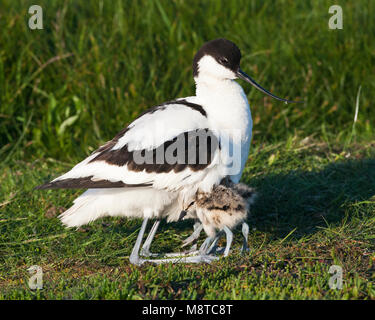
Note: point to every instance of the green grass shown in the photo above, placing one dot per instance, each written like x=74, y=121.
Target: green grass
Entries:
x=96, y=65
x=316, y=209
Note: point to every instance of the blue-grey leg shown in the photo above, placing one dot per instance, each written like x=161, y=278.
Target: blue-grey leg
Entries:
x=188, y=257
x=193, y=248
x=145, y=251
x=214, y=248
x=229, y=234
x=134, y=256
x=245, y=232
x=205, y=245
x=135, y=259
x=195, y=235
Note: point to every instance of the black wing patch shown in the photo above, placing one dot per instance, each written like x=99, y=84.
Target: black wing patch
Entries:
x=194, y=106
x=86, y=183
x=183, y=102
x=193, y=149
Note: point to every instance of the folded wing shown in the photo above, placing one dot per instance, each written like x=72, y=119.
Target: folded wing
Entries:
x=167, y=147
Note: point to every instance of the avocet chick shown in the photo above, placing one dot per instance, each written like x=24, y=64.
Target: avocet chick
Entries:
x=221, y=210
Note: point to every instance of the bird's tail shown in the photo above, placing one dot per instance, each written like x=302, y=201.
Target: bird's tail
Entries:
x=84, y=210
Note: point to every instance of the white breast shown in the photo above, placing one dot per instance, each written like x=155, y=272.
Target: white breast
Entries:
x=228, y=112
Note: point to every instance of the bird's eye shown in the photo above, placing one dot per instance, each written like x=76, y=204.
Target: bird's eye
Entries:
x=223, y=60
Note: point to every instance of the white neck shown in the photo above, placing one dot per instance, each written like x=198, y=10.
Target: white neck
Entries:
x=207, y=86
x=225, y=103
x=227, y=107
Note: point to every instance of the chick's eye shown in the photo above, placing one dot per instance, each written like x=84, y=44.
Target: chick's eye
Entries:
x=223, y=60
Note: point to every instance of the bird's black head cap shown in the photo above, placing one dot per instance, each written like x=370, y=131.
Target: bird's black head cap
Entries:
x=223, y=51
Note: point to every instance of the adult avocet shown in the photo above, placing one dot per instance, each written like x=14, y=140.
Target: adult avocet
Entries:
x=154, y=167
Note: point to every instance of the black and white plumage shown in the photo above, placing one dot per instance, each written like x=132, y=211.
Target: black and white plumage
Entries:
x=119, y=184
